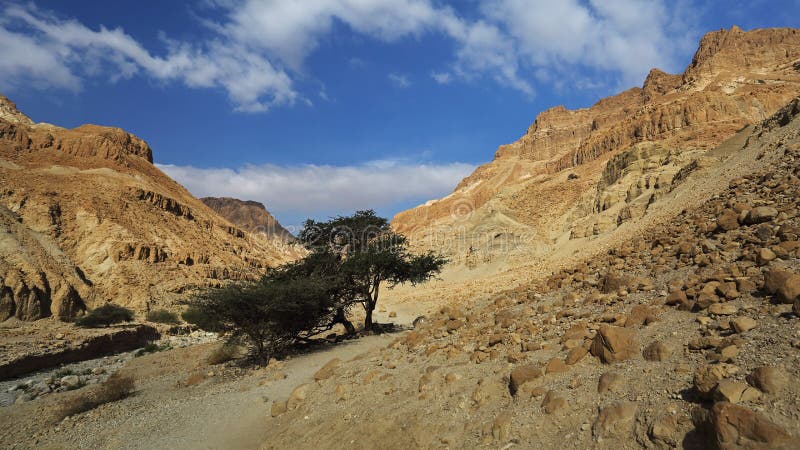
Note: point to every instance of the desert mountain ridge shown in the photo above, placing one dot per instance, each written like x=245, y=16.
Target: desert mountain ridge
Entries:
x=578, y=174
x=86, y=218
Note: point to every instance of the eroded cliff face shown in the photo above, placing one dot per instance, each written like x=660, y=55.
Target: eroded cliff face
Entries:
x=576, y=174
x=85, y=218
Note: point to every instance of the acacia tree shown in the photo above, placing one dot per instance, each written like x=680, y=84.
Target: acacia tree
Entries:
x=367, y=253
x=270, y=315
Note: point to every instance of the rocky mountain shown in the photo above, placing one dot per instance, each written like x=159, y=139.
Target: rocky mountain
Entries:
x=577, y=174
x=86, y=218
x=681, y=334
x=250, y=216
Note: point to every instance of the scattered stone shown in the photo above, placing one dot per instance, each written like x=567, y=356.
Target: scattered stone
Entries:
x=760, y=214
x=664, y=430
x=501, y=428
x=70, y=381
x=521, y=375
x=706, y=378
x=609, y=382
x=734, y=392
x=723, y=309
x=784, y=284
x=743, y=324
x=657, y=351
x=298, y=396
x=765, y=255
x=327, y=370
x=556, y=365
x=734, y=427
x=576, y=354
x=613, y=344
x=768, y=379
x=554, y=403
x=615, y=420
x=278, y=408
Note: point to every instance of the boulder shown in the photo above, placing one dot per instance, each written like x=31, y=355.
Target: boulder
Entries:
x=784, y=284
x=327, y=370
x=768, y=379
x=760, y=214
x=657, y=351
x=609, y=382
x=743, y=324
x=278, y=408
x=521, y=375
x=613, y=344
x=556, y=365
x=615, y=420
x=732, y=391
x=733, y=427
x=706, y=378
x=554, y=403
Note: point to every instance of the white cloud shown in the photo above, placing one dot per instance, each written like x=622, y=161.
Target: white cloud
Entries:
x=399, y=81
x=442, y=77
x=256, y=49
x=304, y=191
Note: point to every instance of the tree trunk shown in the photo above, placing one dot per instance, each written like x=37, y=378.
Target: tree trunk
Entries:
x=369, y=307
x=341, y=318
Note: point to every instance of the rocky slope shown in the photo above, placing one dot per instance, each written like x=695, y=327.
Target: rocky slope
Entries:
x=582, y=173
x=682, y=333
x=86, y=218
x=249, y=215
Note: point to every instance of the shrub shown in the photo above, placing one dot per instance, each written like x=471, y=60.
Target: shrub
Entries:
x=152, y=348
x=115, y=388
x=223, y=353
x=201, y=318
x=105, y=315
x=162, y=316
x=269, y=315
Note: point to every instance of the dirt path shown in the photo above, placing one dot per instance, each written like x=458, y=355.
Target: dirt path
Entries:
x=243, y=425
x=217, y=413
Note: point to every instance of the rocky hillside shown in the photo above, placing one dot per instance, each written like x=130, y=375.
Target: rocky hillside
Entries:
x=681, y=334
x=86, y=218
x=583, y=173
x=249, y=215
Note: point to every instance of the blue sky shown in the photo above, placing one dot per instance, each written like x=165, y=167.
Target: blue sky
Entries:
x=320, y=107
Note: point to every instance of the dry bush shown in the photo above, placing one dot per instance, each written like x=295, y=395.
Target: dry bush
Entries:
x=222, y=354
x=115, y=388
x=194, y=379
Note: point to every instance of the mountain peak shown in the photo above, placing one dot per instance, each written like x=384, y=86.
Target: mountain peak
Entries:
x=10, y=113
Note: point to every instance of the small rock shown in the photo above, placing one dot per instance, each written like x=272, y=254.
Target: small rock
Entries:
x=609, y=382
x=327, y=370
x=743, y=324
x=734, y=391
x=760, y=214
x=723, y=309
x=501, y=428
x=556, y=365
x=615, y=420
x=278, y=408
x=298, y=396
x=657, y=351
x=521, y=375
x=706, y=378
x=554, y=403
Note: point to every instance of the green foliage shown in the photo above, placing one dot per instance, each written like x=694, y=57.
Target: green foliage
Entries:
x=269, y=315
x=104, y=316
x=361, y=252
x=202, y=318
x=162, y=316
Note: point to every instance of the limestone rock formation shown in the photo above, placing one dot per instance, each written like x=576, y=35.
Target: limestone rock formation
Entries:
x=249, y=215
x=86, y=218
x=582, y=173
